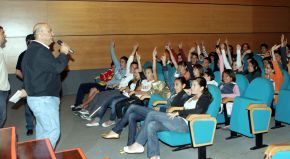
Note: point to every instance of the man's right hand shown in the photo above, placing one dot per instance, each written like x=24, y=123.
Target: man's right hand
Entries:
x=64, y=48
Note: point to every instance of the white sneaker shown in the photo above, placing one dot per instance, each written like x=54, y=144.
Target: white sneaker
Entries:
x=85, y=117
x=92, y=124
x=139, y=150
x=72, y=106
x=84, y=112
x=77, y=108
x=108, y=123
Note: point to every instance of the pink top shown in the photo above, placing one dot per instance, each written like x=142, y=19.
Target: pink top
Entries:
x=236, y=93
x=236, y=89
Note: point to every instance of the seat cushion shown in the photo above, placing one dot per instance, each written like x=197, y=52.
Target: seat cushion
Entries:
x=174, y=138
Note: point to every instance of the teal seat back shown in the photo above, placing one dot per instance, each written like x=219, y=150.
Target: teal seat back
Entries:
x=288, y=85
x=283, y=107
x=285, y=82
x=260, y=89
x=242, y=82
x=216, y=101
x=217, y=77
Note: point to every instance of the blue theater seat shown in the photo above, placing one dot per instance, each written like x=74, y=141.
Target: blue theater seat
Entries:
x=201, y=131
x=243, y=83
x=251, y=113
x=278, y=151
x=282, y=114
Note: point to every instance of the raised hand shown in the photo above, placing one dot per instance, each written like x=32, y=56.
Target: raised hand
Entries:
x=112, y=44
x=154, y=53
x=248, y=51
x=275, y=47
x=238, y=47
x=226, y=42
x=192, y=49
x=218, y=41
x=167, y=47
x=283, y=41
x=218, y=51
x=138, y=57
x=222, y=46
x=180, y=45
x=135, y=48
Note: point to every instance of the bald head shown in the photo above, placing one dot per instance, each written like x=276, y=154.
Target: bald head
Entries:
x=43, y=33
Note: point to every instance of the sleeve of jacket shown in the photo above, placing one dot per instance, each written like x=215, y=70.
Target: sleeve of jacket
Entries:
x=48, y=63
x=284, y=57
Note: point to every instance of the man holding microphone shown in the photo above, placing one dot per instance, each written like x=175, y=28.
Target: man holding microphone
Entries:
x=41, y=71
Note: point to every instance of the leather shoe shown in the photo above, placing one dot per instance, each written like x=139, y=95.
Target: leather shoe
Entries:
x=29, y=132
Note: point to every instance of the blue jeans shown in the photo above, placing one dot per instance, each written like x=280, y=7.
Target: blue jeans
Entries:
x=154, y=123
x=3, y=107
x=110, y=103
x=29, y=117
x=103, y=100
x=134, y=114
x=46, y=112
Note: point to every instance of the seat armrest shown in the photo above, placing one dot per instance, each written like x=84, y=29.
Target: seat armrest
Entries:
x=158, y=102
x=273, y=149
x=259, y=113
x=227, y=100
x=256, y=106
x=191, y=117
x=173, y=108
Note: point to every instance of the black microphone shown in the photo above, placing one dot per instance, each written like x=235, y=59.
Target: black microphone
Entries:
x=59, y=42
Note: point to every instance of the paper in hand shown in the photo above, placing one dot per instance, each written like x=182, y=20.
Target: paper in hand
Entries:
x=16, y=97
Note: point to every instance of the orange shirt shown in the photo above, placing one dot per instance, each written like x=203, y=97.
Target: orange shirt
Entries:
x=277, y=77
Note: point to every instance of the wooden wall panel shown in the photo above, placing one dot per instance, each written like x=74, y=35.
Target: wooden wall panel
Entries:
x=221, y=2
x=95, y=18
x=271, y=19
x=18, y=18
x=91, y=18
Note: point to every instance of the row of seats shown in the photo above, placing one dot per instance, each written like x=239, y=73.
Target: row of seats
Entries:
x=250, y=116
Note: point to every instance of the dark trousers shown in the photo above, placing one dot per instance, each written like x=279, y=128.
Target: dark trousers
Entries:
x=84, y=88
x=122, y=106
x=3, y=107
x=29, y=117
